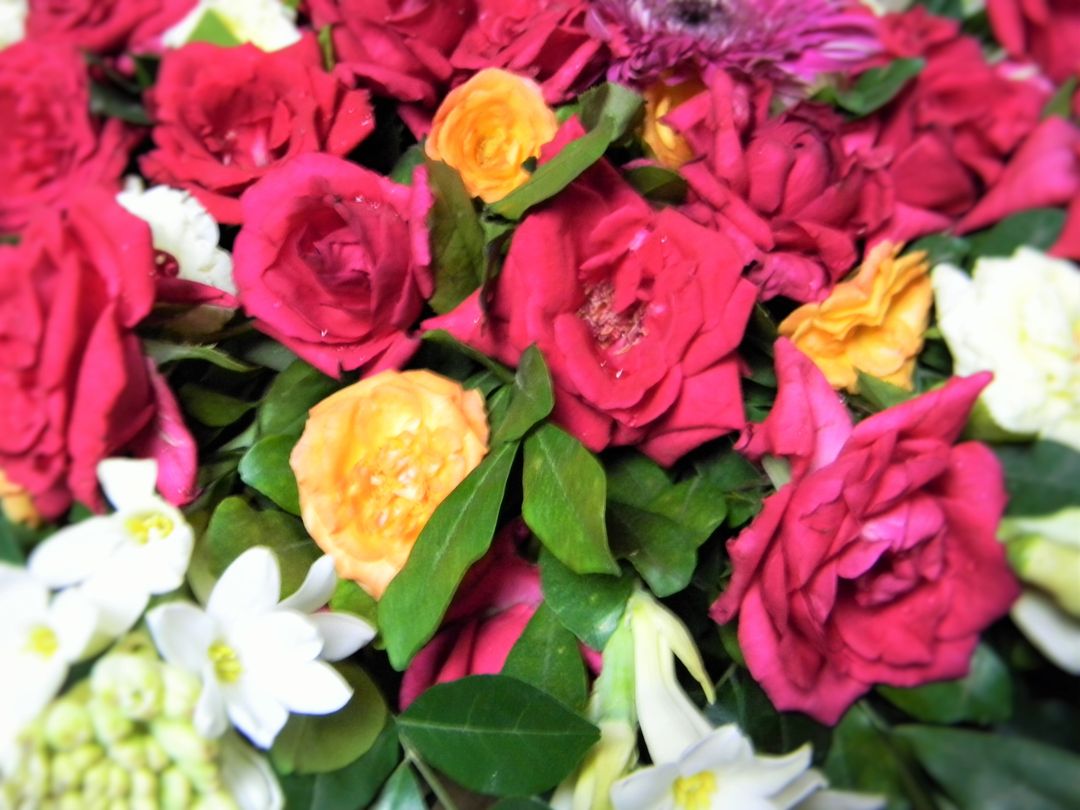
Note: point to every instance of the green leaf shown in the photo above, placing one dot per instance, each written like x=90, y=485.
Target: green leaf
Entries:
x=984, y=696
x=880, y=394
x=1040, y=477
x=633, y=477
x=546, y=656
x=659, y=184
x=444, y=338
x=589, y=605
x=162, y=352
x=863, y=758
x=496, y=735
x=402, y=791
x=321, y=743
x=876, y=87
x=265, y=467
x=291, y=395
x=410, y=159
x=457, y=240
x=981, y=771
x=456, y=536
x=351, y=598
x=518, y=803
x=213, y=29
x=211, y=407
x=564, y=499
x=325, y=39
x=611, y=102
x=111, y=102
x=941, y=248
x=532, y=397
x=1038, y=228
x=1060, y=104
x=355, y=785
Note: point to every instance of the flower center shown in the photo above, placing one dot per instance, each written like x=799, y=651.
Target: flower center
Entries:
x=608, y=326
x=227, y=666
x=695, y=792
x=147, y=526
x=42, y=641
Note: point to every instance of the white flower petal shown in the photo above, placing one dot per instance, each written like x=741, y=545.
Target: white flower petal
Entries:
x=249, y=586
x=841, y=800
x=342, y=634
x=128, y=481
x=211, y=719
x=75, y=552
x=30, y=682
x=313, y=687
x=646, y=789
x=1054, y=632
x=316, y=589
x=159, y=564
x=279, y=638
x=248, y=777
x=119, y=599
x=182, y=634
x=73, y=618
x=724, y=746
x=254, y=711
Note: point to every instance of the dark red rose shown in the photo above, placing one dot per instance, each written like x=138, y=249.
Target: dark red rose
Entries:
x=104, y=25
x=879, y=561
x=1046, y=32
x=77, y=388
x=638, y=314
x=218, y=131
x=50, y=146
x=333, y=262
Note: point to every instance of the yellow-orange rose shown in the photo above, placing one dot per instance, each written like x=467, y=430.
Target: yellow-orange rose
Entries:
x=375, y=460
x=488, y=127
x=874, y=322
x=668, y=147
x=16, y=504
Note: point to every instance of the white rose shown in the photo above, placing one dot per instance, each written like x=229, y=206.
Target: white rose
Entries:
x=12, y=21
x=1018, y=317
x=267, y=24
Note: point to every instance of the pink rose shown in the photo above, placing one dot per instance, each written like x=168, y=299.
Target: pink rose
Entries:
x=1046, y=32
x=104, y=25
x=544, y=40
x=77, y=388
x=879, y=561
x=218, y=131
x=332, y=261
x=495, y=601
x=637, y=312
x=49, y=145
x=399, y=48
x=781, y=186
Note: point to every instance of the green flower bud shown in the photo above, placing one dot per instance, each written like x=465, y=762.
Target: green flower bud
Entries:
x=1054, y=567
x=129, y=752
x=119, y=782
x=205, y=777
x=65, y=774
x=182, y=743
x=72, y=800
x=110, y=723
x=96, y=780
x=144, y=785
x=175, y=790
x=218, y=800
x=144, y=803
x=67, y=725
x=132, y=683
x=182, y=690
x=87, y=755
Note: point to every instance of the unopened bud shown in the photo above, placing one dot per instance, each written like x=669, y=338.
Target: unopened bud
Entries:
x=175, y=790
x=129, y=752
x=181, y=693
x=110, y=724
x=65, y=774
x=67, y=725
x=96, y=780
x=157, y=758
x=1054, y=567
x=132, y=683
x=182, y=742
x=144, y=785
x=217, y=800
x=119, y=782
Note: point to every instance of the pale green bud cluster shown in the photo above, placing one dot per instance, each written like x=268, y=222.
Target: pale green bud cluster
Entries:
x=1045, y=552
x=122, y=739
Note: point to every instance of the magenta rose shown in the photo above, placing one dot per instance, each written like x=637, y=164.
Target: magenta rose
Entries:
x=77, y=388
x=637, y=312
x=332, y=261
x=878, y=563
x=781, y=186
x=49, y=144
x=218, y=131
x=104, y=25
x=493, y=605
x=399, y=48
x=1046, y=32
x=545, y=40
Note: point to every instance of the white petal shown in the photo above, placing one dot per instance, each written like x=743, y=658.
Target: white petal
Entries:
x=254, y=711
x=30, y=682
x=342, y=634
x=316, y=589
x=248, y=777
x=808, y=784
x=842, y=800
x=646, y=789
x=309, y=688
x=127, y=480
x=75, y=552
x=210, y=718
x=23, y=599
x=182, y=633
x=725, y=746
x=160, y=564
x=120, y=601
x=769, y=776
x=1054, y=632
x=276, y=639
x=73, y=618
x=675, y=634
x=250, y=585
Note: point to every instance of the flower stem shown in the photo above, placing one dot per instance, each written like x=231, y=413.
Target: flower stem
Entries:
x=429, y=776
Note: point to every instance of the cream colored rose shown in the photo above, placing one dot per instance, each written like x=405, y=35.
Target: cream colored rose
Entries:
x=1018, y=317
x=267, y=24
x=12, y=21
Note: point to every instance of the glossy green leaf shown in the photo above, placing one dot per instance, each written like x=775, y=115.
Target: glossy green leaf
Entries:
x=213, y=29
x=519, y=803
x=317, y=743
x=984, y=696
x=496, y=735
x=1060, y=104
x=110, y=101
x=291, y=395
x=564, y=500
x=659, y=184
x=982, y=771
x=880, y=394
x=546, y=656
x=876, y=87
x=633, y=477
x=211, y=407
x=402, y=791
x=456, y=536
x=354, y=786
x=863, y=758
x=1041, y=477
x=941, y=248
x=163, y=352
x=265, y=467
x=1038, y=228
x=589, y=605
x=444, y=338
x=532, y=397
x=351, y=598
x=410, y=160
x=457, y=241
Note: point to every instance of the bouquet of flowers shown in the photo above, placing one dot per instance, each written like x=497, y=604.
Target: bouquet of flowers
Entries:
x=540, y=404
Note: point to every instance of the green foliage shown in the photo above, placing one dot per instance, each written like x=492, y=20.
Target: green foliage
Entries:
x=532, y=397
x=589, y=605
x=881, y=395
x=659, y=184
x=546, y=656
x=941, y=248
x=163, y=352
x=863, y=757
x=457, y=241
x=402, y=791
x=211, y=407
x=1041, y=477
x=213, y=29
x=349, y=788
x=265, y=467
x=1038, y=228
x=291, y=395
x=875, y=88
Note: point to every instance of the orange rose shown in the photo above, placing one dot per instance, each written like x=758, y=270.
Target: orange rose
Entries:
x=375, y=460
x=488, y=127
x=16, y=504
x=668, y=147
x=873, y=322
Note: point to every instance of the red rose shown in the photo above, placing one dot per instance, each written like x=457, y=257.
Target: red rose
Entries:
x=104, y=25
x=77, y=388
x=638, y=314
x=781, y=186
x=496, y=600
x=333, y=262
x=49, y=144
x=538, y=38
x=879, y=561
x=400, y=48
x=1045, y=31
x=218, y=131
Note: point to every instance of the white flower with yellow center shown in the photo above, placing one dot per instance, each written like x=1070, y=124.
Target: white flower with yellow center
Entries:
x=267, y=24
x=12, y=21
x=119, y=561
x=259, y=658
x=39, y=640
x=1018, y=317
